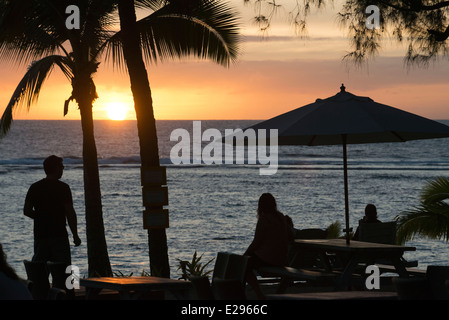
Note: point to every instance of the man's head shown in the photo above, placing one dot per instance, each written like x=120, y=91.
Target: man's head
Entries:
x=53, y=166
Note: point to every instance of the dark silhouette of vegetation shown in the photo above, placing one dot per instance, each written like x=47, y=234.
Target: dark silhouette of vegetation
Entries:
x=176, y=29
x=430, y=218
x=34, y=33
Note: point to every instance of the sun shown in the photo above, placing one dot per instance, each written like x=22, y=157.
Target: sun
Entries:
x=117, y=110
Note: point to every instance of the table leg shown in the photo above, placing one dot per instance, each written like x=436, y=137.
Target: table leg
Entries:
x=344, y=281
x=400, y=268
x=326, y=261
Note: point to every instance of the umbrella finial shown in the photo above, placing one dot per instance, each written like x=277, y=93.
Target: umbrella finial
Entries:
x=342, y=88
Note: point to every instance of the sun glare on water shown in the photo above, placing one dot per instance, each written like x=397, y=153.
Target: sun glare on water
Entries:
x=117, y=110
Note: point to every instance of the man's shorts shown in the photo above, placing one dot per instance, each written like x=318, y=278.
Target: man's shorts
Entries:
x=52, y=249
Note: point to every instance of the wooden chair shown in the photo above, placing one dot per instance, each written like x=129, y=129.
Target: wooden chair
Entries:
x=221, y=264
x=229, y=276
x=236, y=268
x=381, y=232
x=228, y=279
x=202, y=288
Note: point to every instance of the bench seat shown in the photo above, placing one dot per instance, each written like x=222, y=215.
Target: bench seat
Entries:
x=412, y=271
x=291, y=273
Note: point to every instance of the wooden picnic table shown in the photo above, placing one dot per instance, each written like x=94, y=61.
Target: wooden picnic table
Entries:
x=354, y=253
x=134, y=287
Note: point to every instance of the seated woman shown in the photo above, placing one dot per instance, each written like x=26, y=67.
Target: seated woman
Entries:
x=370, y=217
x=271, y=239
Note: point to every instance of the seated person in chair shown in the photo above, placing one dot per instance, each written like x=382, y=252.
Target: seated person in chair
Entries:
x=370, y=217
x=271, y=239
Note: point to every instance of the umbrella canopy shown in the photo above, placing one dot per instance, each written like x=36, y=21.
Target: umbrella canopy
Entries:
x=349, y=119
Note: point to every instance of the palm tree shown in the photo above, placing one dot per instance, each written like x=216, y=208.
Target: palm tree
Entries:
x=34, y=31
x=175, y=29
x=431, y=217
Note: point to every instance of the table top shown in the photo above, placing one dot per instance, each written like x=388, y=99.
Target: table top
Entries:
x=353, y=246
x=134, y=283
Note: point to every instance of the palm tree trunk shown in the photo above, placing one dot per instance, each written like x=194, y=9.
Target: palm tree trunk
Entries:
x=97, y=252
x=146, y=124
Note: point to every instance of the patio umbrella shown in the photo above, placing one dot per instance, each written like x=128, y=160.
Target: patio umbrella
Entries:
x=349, y=119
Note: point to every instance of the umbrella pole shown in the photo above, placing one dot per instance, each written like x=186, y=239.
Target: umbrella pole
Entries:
x=345, y=168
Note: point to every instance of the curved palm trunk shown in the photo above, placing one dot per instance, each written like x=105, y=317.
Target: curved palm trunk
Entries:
x=97, y=252
x=146, y=124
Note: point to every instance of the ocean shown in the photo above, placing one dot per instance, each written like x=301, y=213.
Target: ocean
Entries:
x=212, y=207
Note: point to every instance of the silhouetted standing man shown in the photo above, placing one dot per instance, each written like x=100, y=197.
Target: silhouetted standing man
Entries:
x=49, y=203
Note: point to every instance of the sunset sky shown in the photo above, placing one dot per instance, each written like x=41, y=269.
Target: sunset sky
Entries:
x=274, y=74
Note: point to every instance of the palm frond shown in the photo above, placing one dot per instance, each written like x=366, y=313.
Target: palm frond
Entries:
x=424, y=223
x=149, y=4
x=98, y=19
x=113, y=51
x=30, y=30
x=436, y=190
x=195, y=268
x=27, y=91
x=431, y=217
x=334, y=230
x=206, y=29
